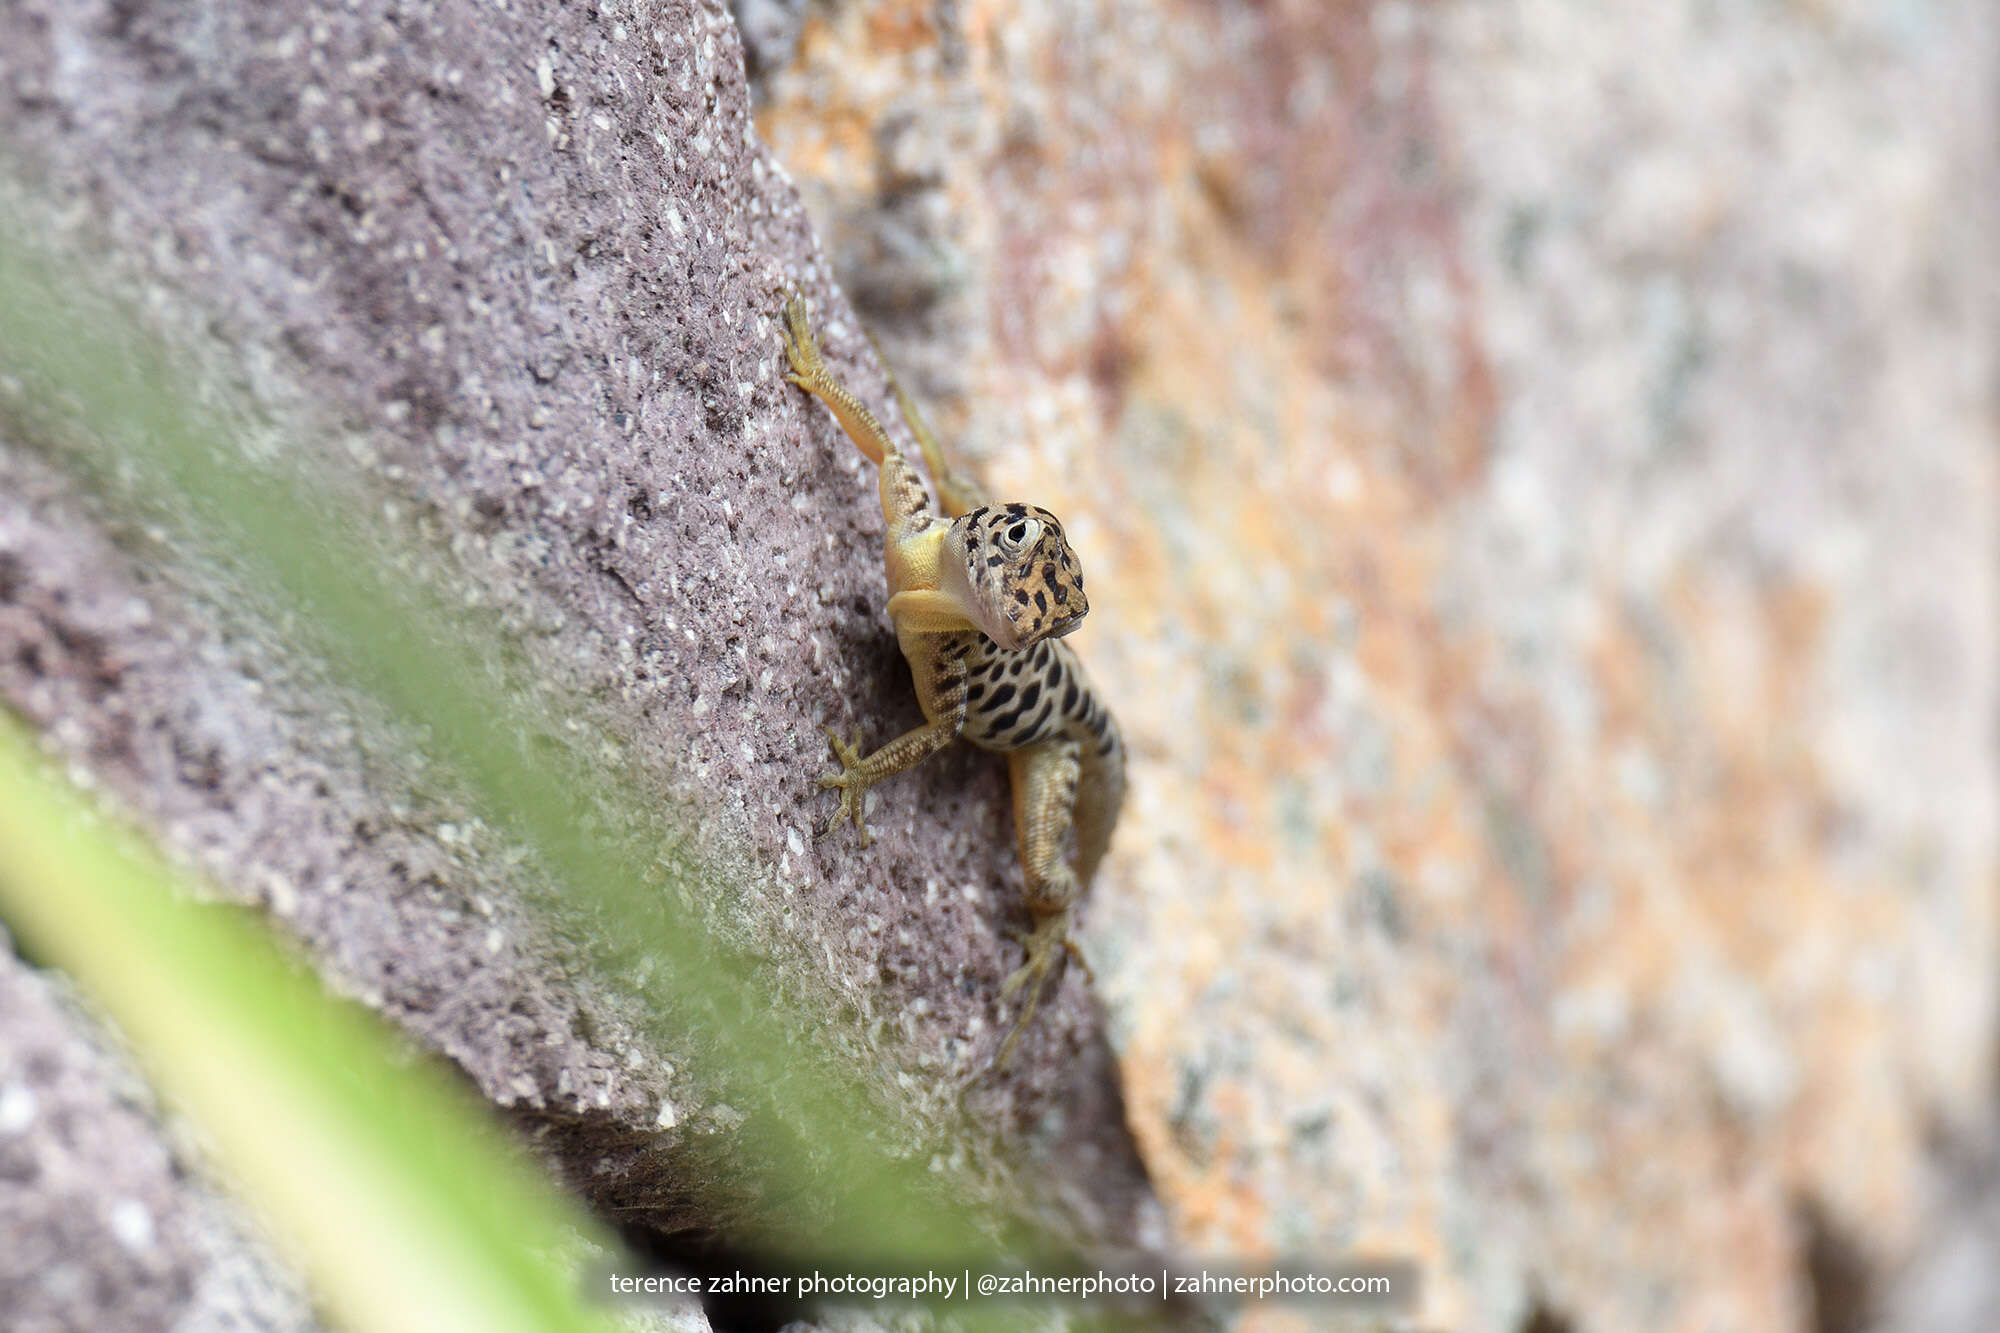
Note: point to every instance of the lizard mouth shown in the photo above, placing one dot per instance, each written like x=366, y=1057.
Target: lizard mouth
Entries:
x=1064, y=626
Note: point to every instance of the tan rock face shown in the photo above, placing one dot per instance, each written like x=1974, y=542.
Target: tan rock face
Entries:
x=1536, y=478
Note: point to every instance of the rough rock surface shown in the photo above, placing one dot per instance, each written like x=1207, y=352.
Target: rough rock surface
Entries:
x=1536, y=476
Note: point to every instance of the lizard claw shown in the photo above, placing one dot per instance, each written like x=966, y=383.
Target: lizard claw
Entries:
x=1075, y=952
x=1044, y=944
x=853, y=783
x=801, y=349
x=1047, y=943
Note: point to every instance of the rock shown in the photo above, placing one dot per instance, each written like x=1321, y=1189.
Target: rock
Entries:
x=1538, y=513
x=513, y=287
x=1536, y=478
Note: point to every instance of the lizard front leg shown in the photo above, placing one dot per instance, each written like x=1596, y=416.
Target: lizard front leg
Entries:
x=1045, y=779
x=906, y=506
x=808, y=370
x=941, y=693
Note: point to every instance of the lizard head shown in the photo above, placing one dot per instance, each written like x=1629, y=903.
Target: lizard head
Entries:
x=1012, y=570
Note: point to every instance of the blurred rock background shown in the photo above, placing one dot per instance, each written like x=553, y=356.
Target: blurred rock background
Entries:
x=1536, y=469
x=1537, y=474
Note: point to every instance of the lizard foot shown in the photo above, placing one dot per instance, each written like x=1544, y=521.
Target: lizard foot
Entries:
x=853, y=782
x=1046, y=944
x=808, y=370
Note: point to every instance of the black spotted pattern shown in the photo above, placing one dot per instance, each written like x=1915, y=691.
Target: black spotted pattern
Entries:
x=1036, y=588
x=1022, y=698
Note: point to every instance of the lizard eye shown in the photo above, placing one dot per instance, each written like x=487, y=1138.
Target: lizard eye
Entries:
x=1019, y=536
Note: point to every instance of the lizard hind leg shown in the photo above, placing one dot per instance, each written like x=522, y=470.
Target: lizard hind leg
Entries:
x=957, y=492
x=1045, y=778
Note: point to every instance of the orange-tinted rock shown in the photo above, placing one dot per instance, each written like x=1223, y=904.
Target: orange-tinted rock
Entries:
x=1537, y=480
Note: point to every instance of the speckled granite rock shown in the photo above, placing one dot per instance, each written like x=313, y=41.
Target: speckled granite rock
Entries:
x=1536, y=477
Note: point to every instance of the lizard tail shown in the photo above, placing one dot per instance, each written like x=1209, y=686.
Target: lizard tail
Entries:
x=1100, y=791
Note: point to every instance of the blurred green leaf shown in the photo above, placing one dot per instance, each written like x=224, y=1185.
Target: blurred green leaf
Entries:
x=406, y=1209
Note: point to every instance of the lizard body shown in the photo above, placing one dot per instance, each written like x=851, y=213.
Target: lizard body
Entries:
x=979, y=597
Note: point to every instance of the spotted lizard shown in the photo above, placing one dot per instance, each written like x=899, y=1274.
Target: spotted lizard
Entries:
x=980, y=597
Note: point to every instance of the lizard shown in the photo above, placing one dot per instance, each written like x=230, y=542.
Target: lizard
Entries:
x=980, y=596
